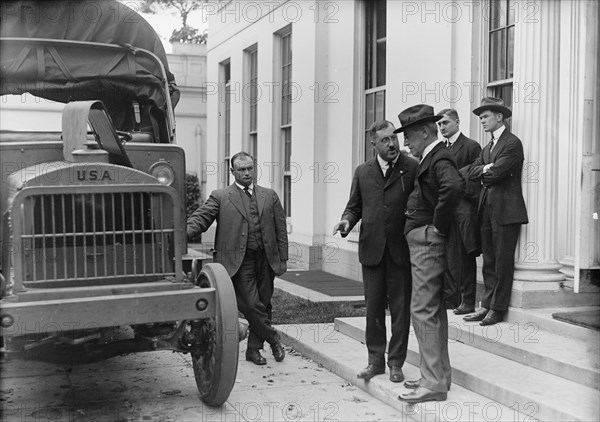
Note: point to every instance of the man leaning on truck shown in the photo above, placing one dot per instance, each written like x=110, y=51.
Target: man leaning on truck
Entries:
x=251, y=242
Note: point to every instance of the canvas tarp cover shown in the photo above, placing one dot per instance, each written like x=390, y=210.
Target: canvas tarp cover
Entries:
x=69, y=73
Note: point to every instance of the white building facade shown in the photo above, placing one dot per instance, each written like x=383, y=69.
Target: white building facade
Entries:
x=297, y=84
x=188, y=64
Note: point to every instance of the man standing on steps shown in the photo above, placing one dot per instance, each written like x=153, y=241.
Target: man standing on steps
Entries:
x=380, y=189
x=251, y=242
x=464, y=244
x=501, y=209
x=429, y=216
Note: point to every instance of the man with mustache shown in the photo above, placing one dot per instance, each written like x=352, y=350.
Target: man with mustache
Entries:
x=380, y=189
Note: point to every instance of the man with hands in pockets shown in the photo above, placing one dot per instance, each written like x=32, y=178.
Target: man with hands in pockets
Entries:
x=429, y=216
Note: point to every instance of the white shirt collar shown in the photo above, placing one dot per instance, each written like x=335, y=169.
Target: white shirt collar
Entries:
x=250, y=188
x=384, y=164
x=496, y=134
x=429, y=148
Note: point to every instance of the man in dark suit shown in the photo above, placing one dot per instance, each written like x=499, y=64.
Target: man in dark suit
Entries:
x=464, y=242
x=380, y=189
x=501, y=209
x=429, y=217
x=251, y=242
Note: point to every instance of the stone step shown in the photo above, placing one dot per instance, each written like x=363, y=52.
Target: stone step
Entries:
x=346, y=356
x=539, y=394
x=570, y=358
x=523, y=342
x=542, y=318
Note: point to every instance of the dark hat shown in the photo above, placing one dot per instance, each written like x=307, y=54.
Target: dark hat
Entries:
x=493, y=104
x=419, y=114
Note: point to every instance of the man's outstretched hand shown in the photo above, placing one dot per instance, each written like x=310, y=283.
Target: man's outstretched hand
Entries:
x=343, y=227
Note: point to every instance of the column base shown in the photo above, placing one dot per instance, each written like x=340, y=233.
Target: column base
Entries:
x=549, y=290
x=568, y=267
x=541, y=272
x=530, y=295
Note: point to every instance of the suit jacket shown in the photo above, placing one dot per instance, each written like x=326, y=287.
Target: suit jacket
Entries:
x=440, y=188
x=465, y=151
x=502, y=191
x=227, y=207
x=380, y=204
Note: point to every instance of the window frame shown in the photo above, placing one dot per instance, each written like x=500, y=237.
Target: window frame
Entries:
x=285, y=115
x=251, y=103
x=374, y=79
x=501, y=87
x=225, y=123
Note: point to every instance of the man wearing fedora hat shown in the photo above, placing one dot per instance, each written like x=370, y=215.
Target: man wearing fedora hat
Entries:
x=380, y=189
x=429, y=216
x=501, y=209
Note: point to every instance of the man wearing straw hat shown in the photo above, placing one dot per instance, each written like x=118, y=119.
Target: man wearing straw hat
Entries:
x=501, y=209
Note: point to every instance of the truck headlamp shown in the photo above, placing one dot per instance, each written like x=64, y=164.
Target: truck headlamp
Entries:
x=163, y=172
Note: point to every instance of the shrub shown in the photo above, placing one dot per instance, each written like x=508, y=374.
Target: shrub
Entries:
x=192, y=199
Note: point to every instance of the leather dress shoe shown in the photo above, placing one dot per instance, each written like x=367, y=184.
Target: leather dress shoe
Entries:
x=370, y=371
x=476, y=316
x=422, y=394
x=492, y=317
x=396, y=374
x=254, y=356
x=412, y=384
x=464, y=309
x=278, y=351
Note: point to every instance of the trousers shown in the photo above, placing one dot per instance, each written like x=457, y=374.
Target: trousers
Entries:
x=428, y=311
x=253, y=285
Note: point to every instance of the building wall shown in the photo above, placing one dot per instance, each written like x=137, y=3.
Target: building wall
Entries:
x=25, y=111
x=436, y=54
x=188, y=64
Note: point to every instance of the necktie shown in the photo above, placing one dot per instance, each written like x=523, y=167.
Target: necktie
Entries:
x=492, y=143
x=247, y=191
x=388, y=172
x=448, y=143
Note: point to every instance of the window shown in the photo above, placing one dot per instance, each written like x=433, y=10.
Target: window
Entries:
x=252, y=56
x=501, y=50
x=286, y=118
x=375, y=62
x=226, y=105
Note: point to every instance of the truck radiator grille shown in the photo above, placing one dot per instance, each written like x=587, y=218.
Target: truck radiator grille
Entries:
x=94, y=238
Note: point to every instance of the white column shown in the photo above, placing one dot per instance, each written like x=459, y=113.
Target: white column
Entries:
x=571, y=128
x=587, y=251
x=536, y=122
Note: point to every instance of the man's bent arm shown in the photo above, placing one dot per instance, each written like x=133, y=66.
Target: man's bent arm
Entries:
x=506, y=163
x=203, y=217
x=353, y=211
x=452, y=189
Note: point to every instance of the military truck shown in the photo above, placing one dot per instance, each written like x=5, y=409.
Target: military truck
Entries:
x=94, y=259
